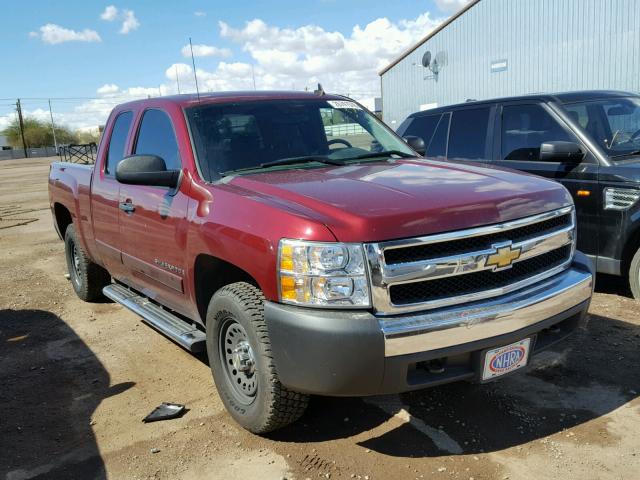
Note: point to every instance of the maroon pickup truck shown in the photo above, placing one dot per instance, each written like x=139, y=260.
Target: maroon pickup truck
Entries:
x=310, y=250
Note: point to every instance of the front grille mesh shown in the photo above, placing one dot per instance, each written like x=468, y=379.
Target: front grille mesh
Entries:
x=448, y=287
x=454, y=247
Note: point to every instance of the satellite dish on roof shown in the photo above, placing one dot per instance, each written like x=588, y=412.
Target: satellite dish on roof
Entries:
x=426, y=59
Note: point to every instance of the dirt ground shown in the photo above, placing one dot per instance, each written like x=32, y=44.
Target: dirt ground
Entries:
x=76, y=379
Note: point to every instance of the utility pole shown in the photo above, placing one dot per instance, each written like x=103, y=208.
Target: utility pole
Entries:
x=195, y=75
x=21, y=121
x=177, y=80
x=53, y=127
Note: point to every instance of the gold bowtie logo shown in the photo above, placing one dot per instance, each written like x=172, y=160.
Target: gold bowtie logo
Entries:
x=503, y=257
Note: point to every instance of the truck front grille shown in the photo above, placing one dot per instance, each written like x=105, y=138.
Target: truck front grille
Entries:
x=416, y=292
x=463, y=266
x=470, y=244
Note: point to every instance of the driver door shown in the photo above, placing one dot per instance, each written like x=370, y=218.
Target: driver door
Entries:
x=153, y=225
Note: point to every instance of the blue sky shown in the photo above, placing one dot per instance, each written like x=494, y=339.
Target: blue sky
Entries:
x=73, y=48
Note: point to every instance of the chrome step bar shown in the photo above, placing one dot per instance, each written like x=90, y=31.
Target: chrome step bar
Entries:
x=178, y=330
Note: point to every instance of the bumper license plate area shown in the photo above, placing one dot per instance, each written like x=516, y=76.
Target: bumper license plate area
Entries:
x=500, y=361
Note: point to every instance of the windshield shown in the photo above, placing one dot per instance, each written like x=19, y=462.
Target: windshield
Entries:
x=285, y=134
x=613, y=123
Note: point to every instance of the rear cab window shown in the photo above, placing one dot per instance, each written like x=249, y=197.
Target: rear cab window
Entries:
x=118, y=142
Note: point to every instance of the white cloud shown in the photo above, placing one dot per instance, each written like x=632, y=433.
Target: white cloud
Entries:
x=130, y=22
x=128, y=18
x=108, y=89
x=200, y=14
x=110, y=13
x=54, y=34
x=202, y=50
x=280, y=58
x=451, y=6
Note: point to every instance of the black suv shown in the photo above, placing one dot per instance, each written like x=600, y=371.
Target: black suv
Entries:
x=589, y=141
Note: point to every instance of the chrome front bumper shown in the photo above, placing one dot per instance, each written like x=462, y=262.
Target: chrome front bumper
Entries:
x=475, y=321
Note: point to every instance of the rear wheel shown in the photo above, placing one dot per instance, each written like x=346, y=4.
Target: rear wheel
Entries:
x=240, y=358
x=88, y=278
x=634, y=275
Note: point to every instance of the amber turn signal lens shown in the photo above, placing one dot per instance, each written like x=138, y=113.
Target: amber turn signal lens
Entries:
x=583, y=193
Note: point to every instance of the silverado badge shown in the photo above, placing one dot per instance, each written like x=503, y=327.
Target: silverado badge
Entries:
x=503, y=258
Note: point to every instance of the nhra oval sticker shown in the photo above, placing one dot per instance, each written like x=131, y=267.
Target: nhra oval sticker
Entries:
x=502, y=360
x=344, y=104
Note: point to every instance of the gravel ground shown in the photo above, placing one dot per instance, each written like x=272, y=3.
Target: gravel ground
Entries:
x=76, y=379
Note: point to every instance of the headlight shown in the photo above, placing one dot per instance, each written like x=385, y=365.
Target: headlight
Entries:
x=322, y=274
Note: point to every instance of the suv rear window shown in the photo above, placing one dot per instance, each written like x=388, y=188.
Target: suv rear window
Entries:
x=468, y=134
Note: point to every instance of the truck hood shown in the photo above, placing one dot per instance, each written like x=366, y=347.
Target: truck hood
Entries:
x=405, y=198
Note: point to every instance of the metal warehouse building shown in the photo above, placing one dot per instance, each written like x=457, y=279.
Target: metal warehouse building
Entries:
x=494, y=48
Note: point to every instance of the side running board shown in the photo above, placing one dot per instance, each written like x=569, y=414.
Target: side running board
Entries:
x=178, y=330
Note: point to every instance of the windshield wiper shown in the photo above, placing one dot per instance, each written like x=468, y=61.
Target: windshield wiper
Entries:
x=384, y=153
x=303, y=159
x=287, y=161
x=628, y=154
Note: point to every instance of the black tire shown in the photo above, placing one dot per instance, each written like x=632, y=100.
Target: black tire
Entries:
x=634, y=275
x=88, y=278
x=254, y=396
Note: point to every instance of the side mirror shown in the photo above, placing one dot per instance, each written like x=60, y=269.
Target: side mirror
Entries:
x=417, y=143
x=567, y=152
x=146, y=170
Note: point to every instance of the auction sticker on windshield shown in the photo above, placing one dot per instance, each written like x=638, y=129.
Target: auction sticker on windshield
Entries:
x=503, y=360
x=343, y=104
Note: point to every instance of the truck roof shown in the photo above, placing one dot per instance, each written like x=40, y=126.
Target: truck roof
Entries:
x=190, y=99
x=560, y=97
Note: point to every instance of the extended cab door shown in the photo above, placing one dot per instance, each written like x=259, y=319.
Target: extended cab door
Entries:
x=522, y=128
x=105, y=191
x=153, y=224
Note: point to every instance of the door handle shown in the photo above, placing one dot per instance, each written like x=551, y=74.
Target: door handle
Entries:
x=127, y=207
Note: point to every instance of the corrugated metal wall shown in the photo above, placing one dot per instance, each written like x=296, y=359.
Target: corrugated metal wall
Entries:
x=549, y=46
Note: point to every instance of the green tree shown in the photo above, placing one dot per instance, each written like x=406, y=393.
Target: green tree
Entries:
x=37, y=134
x=87, y=136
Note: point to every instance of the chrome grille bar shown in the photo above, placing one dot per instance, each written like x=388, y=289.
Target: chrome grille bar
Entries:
x=384, y=276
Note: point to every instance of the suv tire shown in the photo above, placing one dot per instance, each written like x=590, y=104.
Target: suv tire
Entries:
x=240, y=357
x=634, y=275
x=88, y=278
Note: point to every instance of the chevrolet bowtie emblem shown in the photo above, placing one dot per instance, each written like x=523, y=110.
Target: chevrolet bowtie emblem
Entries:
x=503, y=258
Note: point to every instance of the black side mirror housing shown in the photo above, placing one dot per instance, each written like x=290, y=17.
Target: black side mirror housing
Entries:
x=146, y=170
x=567, y=152
x=416, y=143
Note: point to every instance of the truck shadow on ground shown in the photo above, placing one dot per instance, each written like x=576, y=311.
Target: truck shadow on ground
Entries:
x=597, y=374
x=51, y=385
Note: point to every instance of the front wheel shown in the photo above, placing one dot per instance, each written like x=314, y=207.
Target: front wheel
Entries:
x=242, y=365
x=634, y=275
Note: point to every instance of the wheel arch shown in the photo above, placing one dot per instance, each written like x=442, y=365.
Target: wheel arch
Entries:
x=62, y=218
x=210, y=275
